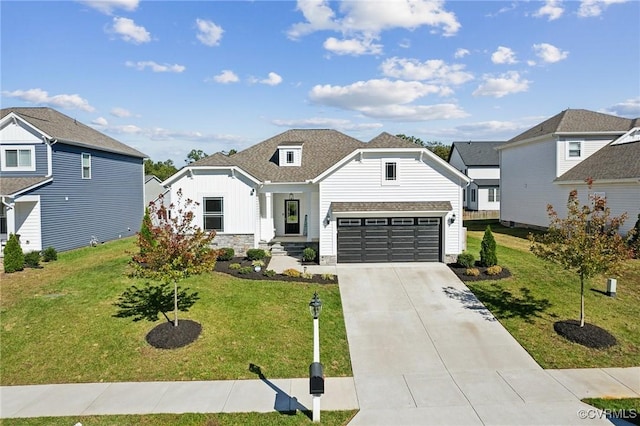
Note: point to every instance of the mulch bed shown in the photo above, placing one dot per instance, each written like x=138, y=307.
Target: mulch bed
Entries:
x=166, y=336
x=223, y=266
x=460, y=272
x=590, y=335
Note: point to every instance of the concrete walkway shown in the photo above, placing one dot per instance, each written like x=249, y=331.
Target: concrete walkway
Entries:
x=423, y=349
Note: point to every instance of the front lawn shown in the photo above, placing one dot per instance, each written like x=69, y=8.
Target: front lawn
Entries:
x=57, y=326
x=540, y=293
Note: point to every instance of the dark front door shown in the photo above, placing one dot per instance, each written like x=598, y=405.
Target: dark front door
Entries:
x=292, y=216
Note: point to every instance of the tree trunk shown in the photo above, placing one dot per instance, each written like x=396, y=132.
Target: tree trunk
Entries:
x=175, y=303
x=581, y=301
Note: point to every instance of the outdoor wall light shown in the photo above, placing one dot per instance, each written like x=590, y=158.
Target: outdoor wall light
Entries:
x=291, y=196
x=453, y=219
x=253, y=191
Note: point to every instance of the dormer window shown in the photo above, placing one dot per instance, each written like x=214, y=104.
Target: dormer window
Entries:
x=290, y=154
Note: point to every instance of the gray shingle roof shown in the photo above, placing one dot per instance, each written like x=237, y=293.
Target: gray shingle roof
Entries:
x=357, y=207
x=321, y=149
x=614, y=161
x=577, y=121
x=387, y=140
x=487, y=182
x=478, y=153
x=68, y=130
x=13, y=185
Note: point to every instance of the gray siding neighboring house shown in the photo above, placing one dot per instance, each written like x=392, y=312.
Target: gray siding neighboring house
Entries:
x=154, y=191
x=84, y=183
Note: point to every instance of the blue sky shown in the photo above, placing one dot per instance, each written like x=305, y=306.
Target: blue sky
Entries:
x=169, y=76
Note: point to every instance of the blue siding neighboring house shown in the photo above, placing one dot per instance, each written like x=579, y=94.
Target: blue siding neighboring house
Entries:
x=63, y=183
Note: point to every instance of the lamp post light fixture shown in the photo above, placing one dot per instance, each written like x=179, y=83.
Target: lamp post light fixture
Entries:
x=316, y=374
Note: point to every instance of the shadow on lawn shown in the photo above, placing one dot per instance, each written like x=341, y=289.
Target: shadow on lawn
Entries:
x=498, y=228
x=284, y=403
x=501, y=302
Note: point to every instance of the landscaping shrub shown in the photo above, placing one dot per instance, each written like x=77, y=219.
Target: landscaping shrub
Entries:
x=226, y=253
x=472, y=272
x=308, y=254
x=259, y=263
x=49, y=254
x=328, y=277
x=235, y=266
x=255, y=254
x=269, y=273
x=245, y=270
x=307, y=275
x=32, y=259
x=494, y=270
x=488, y=255
x=13, y=255
x=292, y=273
x=466, y=259
x=634, y=239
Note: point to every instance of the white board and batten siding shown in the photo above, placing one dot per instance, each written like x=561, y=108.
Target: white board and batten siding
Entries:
x=239, y=204
x=362, y=180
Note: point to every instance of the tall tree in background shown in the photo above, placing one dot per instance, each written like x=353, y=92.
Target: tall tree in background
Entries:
x=438, y=148
x=195, y=155
x=162, y=169
x=586, y=242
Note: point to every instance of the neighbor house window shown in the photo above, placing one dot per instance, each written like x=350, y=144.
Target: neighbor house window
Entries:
x=3, y=219
x=390, y=172
x=574, y=149
x=18, y=159
x=494, y=195
x=213, y=214
x=86, y=166
x=473, y=195
x=290, y=157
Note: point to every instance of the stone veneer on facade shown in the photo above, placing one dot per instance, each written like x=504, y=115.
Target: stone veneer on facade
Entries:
x=239, y=242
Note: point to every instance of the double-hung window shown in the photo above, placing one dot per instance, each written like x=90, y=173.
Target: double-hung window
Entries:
x=18, y=159
x=213, y=213
x=574, y=149
x=494, y=195
x=86, y=166
x=290, y=157
x=390, y=171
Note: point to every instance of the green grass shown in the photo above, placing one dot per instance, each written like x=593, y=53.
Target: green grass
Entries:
x=628, y=408
x=57, y=326
x=540, y=293
x=329, y=418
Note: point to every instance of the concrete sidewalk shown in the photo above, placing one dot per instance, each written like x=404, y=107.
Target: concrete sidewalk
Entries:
x=233, y=396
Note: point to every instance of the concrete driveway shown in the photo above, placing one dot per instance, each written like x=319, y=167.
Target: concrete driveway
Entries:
x=426, y=352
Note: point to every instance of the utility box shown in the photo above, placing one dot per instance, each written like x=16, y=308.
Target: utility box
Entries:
x=611, y=287
x=316, y=379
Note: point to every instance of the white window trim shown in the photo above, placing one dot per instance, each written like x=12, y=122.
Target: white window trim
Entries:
x=384, y=179
x=568, y=153
x=82, y=166
x=3, y=158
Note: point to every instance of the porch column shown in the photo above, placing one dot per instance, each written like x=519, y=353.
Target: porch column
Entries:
x=268, y=228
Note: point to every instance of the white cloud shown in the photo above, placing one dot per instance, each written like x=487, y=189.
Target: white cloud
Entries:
x=504, y=55
x=549, y=53
x=209, y=33
x=129, y=31
x=225, y=77
x=629, y=108
x=352, y=46
x=41, y=97
x=552, y=9
x=365, y=20
x=461, y=53
x=108, y=6
x=272, y=80
x=386, y=99
x=502, y=85
x=155, y=67
x=326, y=123
x=592, y=8
x=120, y=112
x=100, y=121
x=434, y=70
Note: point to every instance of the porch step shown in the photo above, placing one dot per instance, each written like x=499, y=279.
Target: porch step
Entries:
x=293, y=249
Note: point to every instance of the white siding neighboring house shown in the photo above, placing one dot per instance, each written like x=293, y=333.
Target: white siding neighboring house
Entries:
x=542, y=165
x=153, y=191
x=382, y=201
x=480, y=162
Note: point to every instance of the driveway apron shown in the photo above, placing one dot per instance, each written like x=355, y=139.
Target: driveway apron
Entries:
x=425, y=351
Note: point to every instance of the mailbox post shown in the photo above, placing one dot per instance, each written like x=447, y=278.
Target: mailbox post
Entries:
x=316, y=374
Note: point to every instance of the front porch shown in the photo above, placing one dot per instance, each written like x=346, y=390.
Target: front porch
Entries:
x=290, y=245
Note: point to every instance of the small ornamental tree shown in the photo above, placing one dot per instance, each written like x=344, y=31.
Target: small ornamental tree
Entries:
x=13, y=256
x=488, y=255
x=145, y=232
x=586, y=242
x=176, y=249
